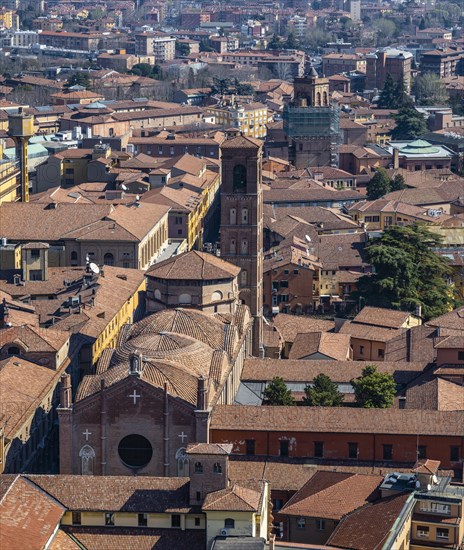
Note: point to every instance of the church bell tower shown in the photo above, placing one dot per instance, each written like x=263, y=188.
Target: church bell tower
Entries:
x=242, y=222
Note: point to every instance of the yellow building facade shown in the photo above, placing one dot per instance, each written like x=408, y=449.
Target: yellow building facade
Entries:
x=250, y=118
x=10, y=182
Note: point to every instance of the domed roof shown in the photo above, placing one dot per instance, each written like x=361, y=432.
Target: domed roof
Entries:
x=419, y=147
x=193, y=355
x=190, y=322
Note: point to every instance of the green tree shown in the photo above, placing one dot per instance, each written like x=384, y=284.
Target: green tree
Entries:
x=274, y=43
x=397, y=183
x=410, y=124
x=388, y=98
x=374, y=390
x=407, y=272
x=146, y=70
x=277, y=393
x=291, y=43
x=182, y=48
x=78, y=79
x=379, y=185
x=429, y=89
x=324, y=393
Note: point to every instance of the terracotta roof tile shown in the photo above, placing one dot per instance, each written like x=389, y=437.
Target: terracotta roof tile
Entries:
x=128, y=538
x=340, y=371
x=333, y=495
x=290, y=325
x=437, y=394
x=194, y=265
x=335, y=346
x=235, y=498
x=23, y=386
x=28, y=517
x=117, y=493
x=333, y=419
x=374, y=521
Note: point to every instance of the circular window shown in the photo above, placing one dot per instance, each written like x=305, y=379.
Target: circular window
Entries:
x=135, y=451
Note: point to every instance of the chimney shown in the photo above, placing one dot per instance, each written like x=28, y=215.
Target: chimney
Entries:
x=65, y=391
x=396, y=158
x=419, y=310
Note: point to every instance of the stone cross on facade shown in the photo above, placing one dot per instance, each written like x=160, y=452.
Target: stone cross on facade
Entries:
x=134, y=396
x=183, y=436
x=86, y=433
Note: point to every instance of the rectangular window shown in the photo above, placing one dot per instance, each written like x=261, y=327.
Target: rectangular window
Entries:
x=142, y=520
x=178, y=220
x=422, y=531
x=284, y=448
x=422, y=451
x=300, y=523
x=353, y=450
x=442, y=534
x=381, y=353
x=361, y=350
x=460, y=355
x=35, y=275
x=175, y=520
x=76, y=518
x=318, y=449
x=250, y=446
x=295, y=272
x=35, y=253
x=277, y=504
x=454, y=453
x=109, y=518
x=320, y=524
x=197, y=522
x=283, y=284
x=387, y=452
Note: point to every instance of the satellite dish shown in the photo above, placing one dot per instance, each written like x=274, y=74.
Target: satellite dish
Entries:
x=435, y=479
x=123, y=187
x=417, y=484
x=429, y=487
x=137, y=197
x=94, y=268
x=308, y=238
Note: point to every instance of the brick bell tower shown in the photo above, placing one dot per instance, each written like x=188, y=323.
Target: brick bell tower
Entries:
x=242, y=223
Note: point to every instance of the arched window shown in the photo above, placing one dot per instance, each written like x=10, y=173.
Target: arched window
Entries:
x=217, y=296
x=87, y=456
x=245, y=215
x=239, y=178
x=233, y=246
x=229, y=523
x=217, y=468
x=326, y=101
x=73, y=257
x=182, y=463
x=13, y=350
x=318, y=99
x=198, y=468
x=244, y=277
x=244, y=246
x=185, y=299
x=233, y=216
x=108, y=259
